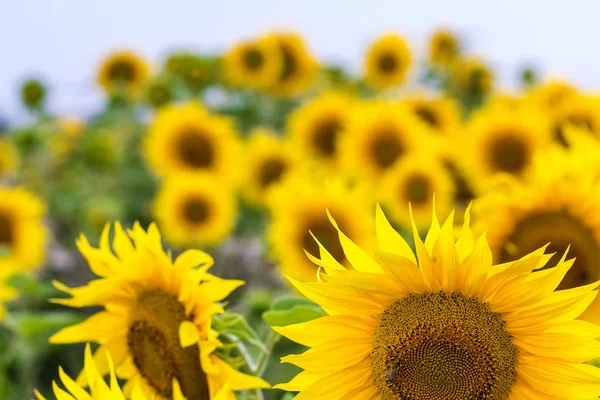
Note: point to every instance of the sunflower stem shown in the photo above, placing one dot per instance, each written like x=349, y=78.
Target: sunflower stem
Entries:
x=265, y=356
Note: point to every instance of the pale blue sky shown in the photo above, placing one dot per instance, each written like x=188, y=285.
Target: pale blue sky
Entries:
x=62, y=40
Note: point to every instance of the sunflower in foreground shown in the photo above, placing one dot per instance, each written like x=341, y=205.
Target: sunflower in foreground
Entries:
x=387, y=62
x=299, y=208
x=472, y=76
x=316, y=127
x=195, y=209
x=298, y=67
x=187, y=138
x=443, y=324
x=441, y=114
x=123, y=70
x=254, y=64
x=98, y=388
x=444, y=47
x=9, y=158
x=23, y=235
x=156, y=322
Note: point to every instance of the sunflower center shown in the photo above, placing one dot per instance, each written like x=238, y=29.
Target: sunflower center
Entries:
x=6, y=230
x=388, y=63
x=509, y=154
x=560, y=229
x=428, y=115
x=195, y=149
x=325, y=137
x=442, y=346
x=386, y=147
x=253, y=59
x=121, y=71
x=417, y=189
x=196, y=210
x=446, y=46
x=290, y=64
x=153, y=341
x=271, y=172
x=327, y=235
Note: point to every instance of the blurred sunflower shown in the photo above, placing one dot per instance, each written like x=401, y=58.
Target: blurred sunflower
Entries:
x=441, y=114
x=156, y=322
x=416, y=179
x=298, y=67
x=550, y=94
x=316, y=127
x=187, y=138
x=159, y=91
x=299, y=215
x=379, y=134
x=581, y=112
x=254, y=64
x=195, y=209
x=23, y=236
x=9, y=158
x=502, y=141
x=444, y=48
x=123, y=70
x=33, y=94
x=472, y=76
x=67, y=137
x=268, y=160
x=443, y=324
x=387, y=62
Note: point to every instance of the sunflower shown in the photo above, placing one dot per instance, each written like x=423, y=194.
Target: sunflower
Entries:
x=195, y=209
x=159, y=91
x=99, y=390
x=415, y=180
x=378, y=135
x=23, y=236
x=315, y=128
x=123, y=70
x=443, y=324
x=254, y=64
x=387, y=62
x=298, y=67
x=67, y=137
x=472, y=76
x=187, y=138
x=444, y=47
x=551, y=94
x=9, y=158
x=33, y=94
x=502, y=141
x=156, y=322
x=299, y=211
x=580, y=111
x=441, y=114
x=268, y=160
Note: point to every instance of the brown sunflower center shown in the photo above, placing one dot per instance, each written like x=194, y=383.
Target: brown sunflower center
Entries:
x=253, y=59
x=388, y=63
x=195, y=149
x=271, y=172
x=417, y=190
x=509, y=154
x=386, y=148
x=290, y=64
x=196, y=210
x=428, y=115
x=442, y=346
x=325, y=137
x=326, y=234
x=153, y=341
x=6, y=230
x=446, y=46
x=560, y=229
x=122, y=71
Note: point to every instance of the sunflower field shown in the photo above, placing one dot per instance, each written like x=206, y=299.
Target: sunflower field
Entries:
x=257, y=224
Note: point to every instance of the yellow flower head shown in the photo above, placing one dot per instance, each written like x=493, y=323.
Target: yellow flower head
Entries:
x=551, y=94
x=156, y=322
x=581, y=112
x=444, y=323
x=387, y=62
x=123, y=70
x=9, y=158
x=195, y=209
x=472, y=76
x=441, y=114
x=187, y=138
x=254, y=64
x=298, y=67
x=444, y=47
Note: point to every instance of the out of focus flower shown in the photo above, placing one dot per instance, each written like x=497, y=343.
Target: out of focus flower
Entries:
x=444, y=48
x=254, y=64
x=472, y=76
x=159, y=91
x=298, y=68
x=33, y=94
x=579, y=111
x=550, y=94
x=9, y=158
x=387, y=62
x=123, y=71
x=441, y=114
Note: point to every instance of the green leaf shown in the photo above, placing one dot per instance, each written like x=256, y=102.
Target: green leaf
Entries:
x=292, y=310
x=33, y=326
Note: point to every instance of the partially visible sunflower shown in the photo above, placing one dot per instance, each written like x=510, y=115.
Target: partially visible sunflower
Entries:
x=67, y=137
x=159, y=91
x=156, y=322
x=470, y=75
x=298, y=67
x=387, y=62
x=123, y=70
x=299, y=213
x=316, y=127
x=378, y=135
x=444, y=47
x=195, y=209
x=441, y=114
x=416, y=179
x=443, y=323
x=550, y=94
x=254, y=64
x=580, y=111
x=23, y=235
x=9, y=158
x=187, y=138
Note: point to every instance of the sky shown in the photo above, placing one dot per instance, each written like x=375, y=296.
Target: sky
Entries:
x=62, y=41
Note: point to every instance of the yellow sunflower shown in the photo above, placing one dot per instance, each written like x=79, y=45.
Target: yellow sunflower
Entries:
x=316, y=127
x=268, y=160
x=502, y=141
x=254, y=64
x=98, y=388
x=187, y=138
x=156, y=322
x=550, y=94
x=380, y=134
x=443, y=324
x=299, y=213
x=580, y=111
x=298, y=67
x=416, y=180
x=23, y=235
x=123, y=70
x=444, y=47
x=472, y=76
x=387, y=62
x=441, y=114
x=195, y=209
x=9, y=158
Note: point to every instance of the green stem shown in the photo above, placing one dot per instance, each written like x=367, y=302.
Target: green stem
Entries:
x=265, y=356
